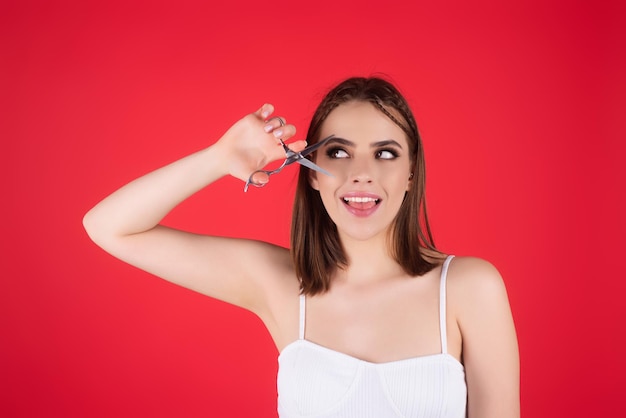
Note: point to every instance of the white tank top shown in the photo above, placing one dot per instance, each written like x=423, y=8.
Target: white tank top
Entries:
x=315, y=381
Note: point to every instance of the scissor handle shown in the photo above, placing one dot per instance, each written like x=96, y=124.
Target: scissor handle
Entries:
x=260, y=178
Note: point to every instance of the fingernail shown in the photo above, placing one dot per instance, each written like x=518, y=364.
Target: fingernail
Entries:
x=278, y=133
x=265, y=113
x=268, y=128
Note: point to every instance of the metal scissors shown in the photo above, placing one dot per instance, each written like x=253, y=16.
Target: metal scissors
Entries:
x=260, y=178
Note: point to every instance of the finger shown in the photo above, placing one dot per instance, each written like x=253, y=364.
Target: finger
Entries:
x=265, y=111
x=284, y=132
x=273, y=123
x=279, y=119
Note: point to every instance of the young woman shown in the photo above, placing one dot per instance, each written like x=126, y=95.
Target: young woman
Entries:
x=369, y=318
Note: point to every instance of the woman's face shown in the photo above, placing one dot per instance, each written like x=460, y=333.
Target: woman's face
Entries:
x=370, y=162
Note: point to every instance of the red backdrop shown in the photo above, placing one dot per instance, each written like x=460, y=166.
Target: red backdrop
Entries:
x=519, y=106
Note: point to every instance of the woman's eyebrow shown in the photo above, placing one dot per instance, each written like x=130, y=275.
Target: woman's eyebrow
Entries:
x=386, y=143
x=340, y=141
x=377, y=144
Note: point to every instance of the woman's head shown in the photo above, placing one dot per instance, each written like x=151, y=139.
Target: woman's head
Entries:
x=315, y=241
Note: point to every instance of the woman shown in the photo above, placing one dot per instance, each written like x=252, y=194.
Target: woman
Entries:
x=369, y=318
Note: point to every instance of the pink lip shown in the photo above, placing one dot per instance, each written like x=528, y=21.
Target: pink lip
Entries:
x=361, y=212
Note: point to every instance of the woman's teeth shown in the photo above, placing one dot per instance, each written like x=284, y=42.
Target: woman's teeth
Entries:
x=360, y=199
x=359, y=202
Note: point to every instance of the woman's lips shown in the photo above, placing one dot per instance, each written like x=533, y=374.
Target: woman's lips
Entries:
x=361, y=204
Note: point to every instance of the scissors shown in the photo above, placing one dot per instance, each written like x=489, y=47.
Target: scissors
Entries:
x=260, y=178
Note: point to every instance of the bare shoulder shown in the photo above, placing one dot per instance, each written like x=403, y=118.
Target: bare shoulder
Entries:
x=269, y=266
x=476, y=278
x=476, y=291
x=275, y=274
x=266, y=256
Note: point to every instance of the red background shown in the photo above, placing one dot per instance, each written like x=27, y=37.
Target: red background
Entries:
x=520, y=107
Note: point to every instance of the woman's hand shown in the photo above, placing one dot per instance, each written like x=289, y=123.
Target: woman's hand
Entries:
x=252, y=142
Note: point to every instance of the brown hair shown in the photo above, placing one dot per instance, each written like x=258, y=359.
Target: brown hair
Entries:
x=315, y=245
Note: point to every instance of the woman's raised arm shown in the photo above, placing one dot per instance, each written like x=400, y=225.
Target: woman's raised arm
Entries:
x=126, y=223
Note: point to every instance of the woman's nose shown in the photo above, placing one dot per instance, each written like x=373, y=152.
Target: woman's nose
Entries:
x=361, y=172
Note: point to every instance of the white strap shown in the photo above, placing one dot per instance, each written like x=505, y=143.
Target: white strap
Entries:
x=302, y=317
x=443, y=328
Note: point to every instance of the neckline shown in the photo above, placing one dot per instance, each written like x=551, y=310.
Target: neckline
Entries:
x=443, y=326
x=292, y=345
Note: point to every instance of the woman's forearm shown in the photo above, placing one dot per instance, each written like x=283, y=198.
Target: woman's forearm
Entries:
x=141, y=204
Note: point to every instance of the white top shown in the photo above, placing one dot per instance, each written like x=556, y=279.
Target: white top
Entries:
x=315, y=381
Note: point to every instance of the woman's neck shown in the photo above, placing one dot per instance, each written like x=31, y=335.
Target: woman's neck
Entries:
x=368, y=261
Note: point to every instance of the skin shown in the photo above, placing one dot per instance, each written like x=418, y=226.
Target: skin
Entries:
x=373, y=311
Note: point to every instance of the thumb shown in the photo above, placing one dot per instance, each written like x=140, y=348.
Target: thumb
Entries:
x=297, y=146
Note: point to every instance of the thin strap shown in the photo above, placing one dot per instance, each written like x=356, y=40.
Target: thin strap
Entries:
x=443, y=328
x=302, y=317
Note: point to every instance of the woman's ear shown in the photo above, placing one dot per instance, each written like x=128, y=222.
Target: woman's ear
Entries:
x=313, y=180
x=410, y=182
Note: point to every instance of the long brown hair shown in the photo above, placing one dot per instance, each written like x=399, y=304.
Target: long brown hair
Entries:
x=315, y=245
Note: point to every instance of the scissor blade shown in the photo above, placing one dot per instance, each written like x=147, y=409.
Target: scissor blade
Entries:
x=314, y=147
x=313, y=166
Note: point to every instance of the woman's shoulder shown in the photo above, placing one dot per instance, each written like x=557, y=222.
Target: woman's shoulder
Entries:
x=270, y=260
x=469, y=268
x=475, y=284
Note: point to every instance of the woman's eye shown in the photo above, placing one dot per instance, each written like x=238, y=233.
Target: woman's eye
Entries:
x=386, y=154
x=337, y=153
